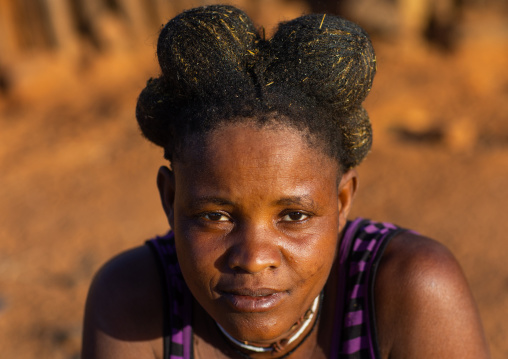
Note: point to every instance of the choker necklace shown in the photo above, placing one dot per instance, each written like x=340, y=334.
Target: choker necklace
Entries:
x=279, y=345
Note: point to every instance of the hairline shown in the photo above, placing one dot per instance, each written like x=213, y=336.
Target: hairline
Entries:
x=273, y=121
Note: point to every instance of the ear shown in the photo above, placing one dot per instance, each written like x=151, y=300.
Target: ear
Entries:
x=166, y=186
x=347, y=190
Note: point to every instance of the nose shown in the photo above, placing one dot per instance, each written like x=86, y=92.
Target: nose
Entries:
x=254, y=250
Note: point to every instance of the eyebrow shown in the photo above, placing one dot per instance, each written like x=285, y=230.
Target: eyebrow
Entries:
x=306, y=201
x=211, y=200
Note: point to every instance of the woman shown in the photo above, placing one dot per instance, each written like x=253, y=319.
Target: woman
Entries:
x=262, y=138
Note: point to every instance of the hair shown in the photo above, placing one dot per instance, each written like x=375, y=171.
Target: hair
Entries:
x=313, y=75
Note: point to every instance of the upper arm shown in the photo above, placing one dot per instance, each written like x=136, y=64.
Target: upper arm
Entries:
x=424, y=307
x=123, y=314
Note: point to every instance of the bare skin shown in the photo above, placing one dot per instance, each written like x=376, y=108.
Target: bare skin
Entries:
x=260, y=209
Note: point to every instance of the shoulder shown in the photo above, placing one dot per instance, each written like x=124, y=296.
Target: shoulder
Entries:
x=421, y=297
x=123, y=315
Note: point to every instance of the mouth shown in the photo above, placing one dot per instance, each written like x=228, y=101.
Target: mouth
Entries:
x=253, y=300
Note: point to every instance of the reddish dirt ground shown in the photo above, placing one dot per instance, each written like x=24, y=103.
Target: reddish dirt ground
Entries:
x=77, y=181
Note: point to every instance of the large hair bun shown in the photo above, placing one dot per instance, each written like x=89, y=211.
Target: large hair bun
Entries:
x=207, y=49
x=203, y=53
x=332, y=59
x=154, y=111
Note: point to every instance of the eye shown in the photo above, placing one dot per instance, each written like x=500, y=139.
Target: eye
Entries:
x=295, y=217
x=215, y=217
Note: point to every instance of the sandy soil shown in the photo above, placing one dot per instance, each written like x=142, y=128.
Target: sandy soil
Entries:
x=77, y=181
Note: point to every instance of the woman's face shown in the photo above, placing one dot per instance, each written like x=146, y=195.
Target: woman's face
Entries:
x=256, y=214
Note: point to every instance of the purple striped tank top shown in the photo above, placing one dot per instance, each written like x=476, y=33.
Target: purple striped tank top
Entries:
x=360, y=251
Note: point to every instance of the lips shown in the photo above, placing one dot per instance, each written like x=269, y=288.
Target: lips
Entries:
x=253, y=300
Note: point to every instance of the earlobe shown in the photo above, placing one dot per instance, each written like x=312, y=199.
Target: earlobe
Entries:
x=347, y=191
x=166, y=186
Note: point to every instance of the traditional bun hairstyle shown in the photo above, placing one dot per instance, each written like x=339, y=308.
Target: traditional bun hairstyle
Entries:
x=313, y=75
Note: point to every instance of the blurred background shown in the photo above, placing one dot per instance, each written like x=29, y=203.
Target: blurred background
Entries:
x=77, y=181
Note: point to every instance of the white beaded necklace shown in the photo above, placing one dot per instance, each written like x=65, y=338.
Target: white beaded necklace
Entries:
x=306, y=322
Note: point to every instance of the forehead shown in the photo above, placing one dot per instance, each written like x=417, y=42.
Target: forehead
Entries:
x=244, y=159
x=260, y=145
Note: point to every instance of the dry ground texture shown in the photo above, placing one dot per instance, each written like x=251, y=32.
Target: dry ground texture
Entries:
x=77, y=181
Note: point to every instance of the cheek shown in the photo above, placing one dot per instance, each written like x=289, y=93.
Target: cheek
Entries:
x=312, y=257
x=198, y=256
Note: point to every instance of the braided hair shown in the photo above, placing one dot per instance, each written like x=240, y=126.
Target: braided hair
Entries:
x=312, y=75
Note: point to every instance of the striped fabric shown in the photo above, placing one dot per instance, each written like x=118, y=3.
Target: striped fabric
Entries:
x=177, y=300
x=360, y=251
